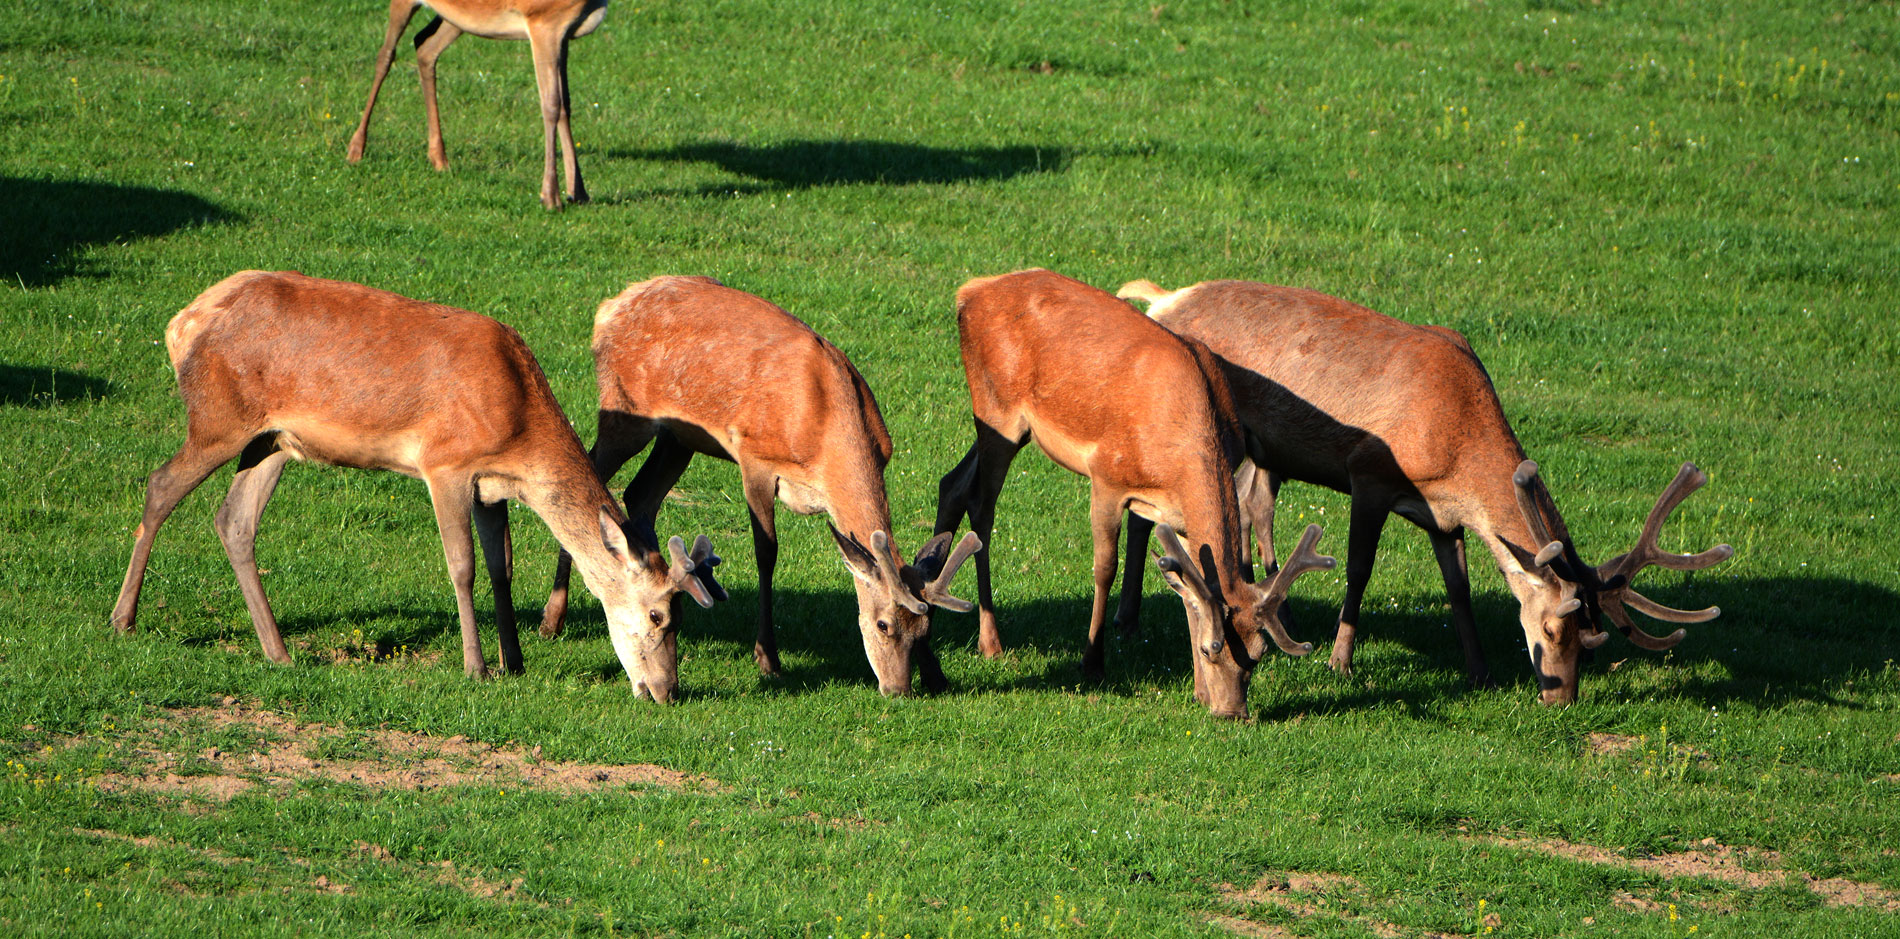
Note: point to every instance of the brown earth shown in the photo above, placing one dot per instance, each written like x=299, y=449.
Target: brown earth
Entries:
x=396, y=760
x=1753, y=868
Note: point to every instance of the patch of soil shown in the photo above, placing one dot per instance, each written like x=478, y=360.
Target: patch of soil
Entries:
x=1248, y=927
x=1752, y=868
x=1305, y=894
x=399, y=760
x=1604, y=744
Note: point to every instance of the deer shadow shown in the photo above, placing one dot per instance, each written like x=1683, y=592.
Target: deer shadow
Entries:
x=42, y=386
x=52, y=222
x=807, y=164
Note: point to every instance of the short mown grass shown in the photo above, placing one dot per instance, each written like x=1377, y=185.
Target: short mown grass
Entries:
x=1669, y=230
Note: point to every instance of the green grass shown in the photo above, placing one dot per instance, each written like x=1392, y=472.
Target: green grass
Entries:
x=1669, y=230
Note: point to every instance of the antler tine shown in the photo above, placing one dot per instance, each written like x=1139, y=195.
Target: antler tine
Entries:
x=1303, y=559
x=1521, y=481
x=1177, y=561
x=704, y=560
x=938, y=590
x=1638, y=637
x=1668, y=613
x=890, y=570
x=676, y=553
x=1687, y=481
x=1620, y=569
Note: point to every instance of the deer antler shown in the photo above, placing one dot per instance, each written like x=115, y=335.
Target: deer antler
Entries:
x=694, y=573
x=940, y=570
x=1303, y=559
x=1616, y=573
x=891, y=571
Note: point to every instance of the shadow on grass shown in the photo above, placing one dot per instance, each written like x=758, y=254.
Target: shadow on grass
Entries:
x=805, y=164
x=1778, y=640
x=49, y=223
x=40, y=386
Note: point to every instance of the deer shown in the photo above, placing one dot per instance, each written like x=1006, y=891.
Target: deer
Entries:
x=277, y=366
x=1145, y=415
x=546, y=24
x=1403, y=417
x=695, y=367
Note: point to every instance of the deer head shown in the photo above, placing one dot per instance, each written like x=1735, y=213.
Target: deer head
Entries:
x=640, y=594
x=1560, y=612
x=1228, y=641
x=894, y=599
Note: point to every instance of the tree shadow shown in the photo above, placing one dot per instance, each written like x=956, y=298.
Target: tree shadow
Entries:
x=805, y=164
x=50, y=223
x=41, y=386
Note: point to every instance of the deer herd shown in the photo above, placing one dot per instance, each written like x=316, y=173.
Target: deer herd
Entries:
x=1185, y=420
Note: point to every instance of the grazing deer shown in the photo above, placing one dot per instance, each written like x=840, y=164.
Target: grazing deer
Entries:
x=1147, y=418
x=1404, y=418
x=698, y=367
x=546, y=24
x=279, y=366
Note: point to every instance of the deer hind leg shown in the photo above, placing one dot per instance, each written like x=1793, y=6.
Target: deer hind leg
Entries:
x=498, y=554
x=621, y=438
x=454, y=501
x=430, y=42
x=164, y=489
x=761, y=495
x=1105, y=522
x=1257, y=500
x=259, y=469
x=972, y=488
x=1362, y=543
x=548, y=45
x=1449, y=547
x=400, y=12
x=1128, y=615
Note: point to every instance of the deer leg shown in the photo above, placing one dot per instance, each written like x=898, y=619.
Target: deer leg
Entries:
x=548, y=45
x=1128, y=615
x=1256, y=511
x=400, y=12
x=1362, y=542
x=454, y=501
x=620, y=439
x=1105, y=523
x=170, y=483
x=498, y=554
x=434, y=38
x=259, y=468
x=761, y=494
x=1450, y=550
x=992, y=455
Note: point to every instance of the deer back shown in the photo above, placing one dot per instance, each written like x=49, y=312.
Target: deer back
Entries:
x=1105, y=391
x=1330, y=388
x=739, y=378
x=354, y=376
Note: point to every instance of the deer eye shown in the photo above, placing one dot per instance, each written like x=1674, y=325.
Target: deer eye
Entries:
x=655, y=616
x=884, y=626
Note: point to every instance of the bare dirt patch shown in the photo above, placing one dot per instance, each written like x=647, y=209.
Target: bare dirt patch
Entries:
x=289, y=751
x=1308, y=894
x=1753, y=868
x=1605, y=744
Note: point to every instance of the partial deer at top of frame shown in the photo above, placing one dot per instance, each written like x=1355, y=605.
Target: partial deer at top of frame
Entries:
x=546, y=24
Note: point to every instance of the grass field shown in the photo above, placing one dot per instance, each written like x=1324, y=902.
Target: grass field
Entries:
x=1671, y=230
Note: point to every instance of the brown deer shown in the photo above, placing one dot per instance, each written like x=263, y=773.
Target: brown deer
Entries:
x=546, y=24
x=1404, y=418
x=697, y=367
x=1147, y=418
x=279, y=366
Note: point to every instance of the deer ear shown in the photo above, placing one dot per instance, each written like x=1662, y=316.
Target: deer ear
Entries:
x=614, y=538
x=857, y=558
